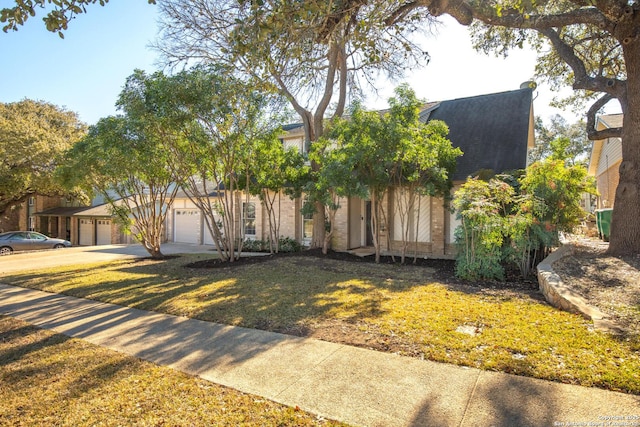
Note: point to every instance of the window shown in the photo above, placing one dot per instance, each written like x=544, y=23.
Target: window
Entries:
x=417, y=221
x=32, y=201
x=249, y=219
x=307, y=227
x=37, y=236
x=32, y=223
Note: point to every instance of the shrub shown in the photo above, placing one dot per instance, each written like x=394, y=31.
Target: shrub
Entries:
x=285, y=244
x=480, y=236
x=515, y=221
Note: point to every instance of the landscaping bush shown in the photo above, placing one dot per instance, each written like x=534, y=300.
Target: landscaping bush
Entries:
x=285, y=244
x=513, y=222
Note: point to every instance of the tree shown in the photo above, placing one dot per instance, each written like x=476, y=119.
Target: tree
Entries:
x=596, y=48
x=59, y=13
x=314, y=52
x=221, y=124
x=126, y=159
x=381, y=151
x=579, y=147
x=423, y=160
x=334, y=180
x=275, y=172
x=33, y=137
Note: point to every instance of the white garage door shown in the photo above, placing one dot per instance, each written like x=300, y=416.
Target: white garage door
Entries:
x=104, y=232
x=187, y=226
x=86, y=232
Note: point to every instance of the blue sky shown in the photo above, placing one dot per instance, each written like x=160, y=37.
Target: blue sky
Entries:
x=86, y=71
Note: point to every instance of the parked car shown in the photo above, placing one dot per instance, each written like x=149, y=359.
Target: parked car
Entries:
x=28, y=241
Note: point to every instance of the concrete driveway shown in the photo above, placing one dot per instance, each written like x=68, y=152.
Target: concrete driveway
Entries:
x=88, y=254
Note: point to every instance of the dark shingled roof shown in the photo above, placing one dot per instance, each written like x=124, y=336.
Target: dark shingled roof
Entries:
x=291, y=126
x=491, y=130
x=61, y=211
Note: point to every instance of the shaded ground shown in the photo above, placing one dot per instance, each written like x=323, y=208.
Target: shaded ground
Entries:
x=612, y=284
x=609, y=283
x=444, y=269
x=366, y=335
x=421, y=311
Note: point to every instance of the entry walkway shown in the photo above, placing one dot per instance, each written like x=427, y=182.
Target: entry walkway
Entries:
x=357, y=386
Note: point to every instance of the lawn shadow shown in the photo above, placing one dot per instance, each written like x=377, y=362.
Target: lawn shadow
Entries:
x=35, y=357
x=499, y=400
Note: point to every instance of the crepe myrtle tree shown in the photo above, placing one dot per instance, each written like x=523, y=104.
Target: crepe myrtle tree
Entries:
x=316, y=53
x=129, y=169
x=127, y=159
x=221, y=136
x=376, y=152
x=275, y=172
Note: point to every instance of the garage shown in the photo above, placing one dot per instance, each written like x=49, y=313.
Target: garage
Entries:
x=103, y=236
x=187, y=226
x=86, y=232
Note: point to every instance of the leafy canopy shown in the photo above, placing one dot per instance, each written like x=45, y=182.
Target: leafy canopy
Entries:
x=33, y=137
x=58, y=13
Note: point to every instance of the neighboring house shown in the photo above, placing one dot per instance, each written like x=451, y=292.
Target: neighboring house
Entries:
x=604, y=165
x=494, y=132
x=81, y=225
x=26, y=216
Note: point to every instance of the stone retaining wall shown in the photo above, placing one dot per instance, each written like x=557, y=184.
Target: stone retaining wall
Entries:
x=563, y=297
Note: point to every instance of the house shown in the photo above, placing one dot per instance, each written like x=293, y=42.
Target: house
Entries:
x=606, y=156
x=81, y=225
x=494, y=131
x=26, y=215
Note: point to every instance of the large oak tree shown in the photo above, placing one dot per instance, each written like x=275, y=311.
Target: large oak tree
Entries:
x=315, y=53
x=33, y=137
x=58, y=13
x=595, y=47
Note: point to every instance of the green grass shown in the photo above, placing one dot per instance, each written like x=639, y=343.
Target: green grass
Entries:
x=512, y=332
x=50, y=379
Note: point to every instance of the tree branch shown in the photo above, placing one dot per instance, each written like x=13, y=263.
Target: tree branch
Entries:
x=591, y=16
x=342, y=82
x=592, y=133
x=582, y=80
x=333, y=57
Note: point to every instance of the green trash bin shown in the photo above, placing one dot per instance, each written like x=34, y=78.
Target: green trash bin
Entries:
x=603, y=222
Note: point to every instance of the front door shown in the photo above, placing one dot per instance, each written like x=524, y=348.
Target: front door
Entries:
x=369, y=233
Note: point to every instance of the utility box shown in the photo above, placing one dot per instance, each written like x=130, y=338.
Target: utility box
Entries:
x=603, y=222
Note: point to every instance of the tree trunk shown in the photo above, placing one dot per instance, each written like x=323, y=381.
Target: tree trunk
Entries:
x=153, y=248
x=319, y=228
x=625, y=226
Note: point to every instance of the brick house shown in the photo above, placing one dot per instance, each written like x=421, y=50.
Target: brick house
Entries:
x=64, y=218
x=494, y=131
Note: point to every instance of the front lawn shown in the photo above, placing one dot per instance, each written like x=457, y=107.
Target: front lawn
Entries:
x=385, y=307
x=48, y=379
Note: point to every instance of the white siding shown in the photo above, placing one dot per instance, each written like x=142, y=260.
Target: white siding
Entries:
x=420, y=216
x=611, y=154
x=297, y=143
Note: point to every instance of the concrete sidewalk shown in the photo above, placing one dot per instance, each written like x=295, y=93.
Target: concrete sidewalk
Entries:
x=357, y=386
